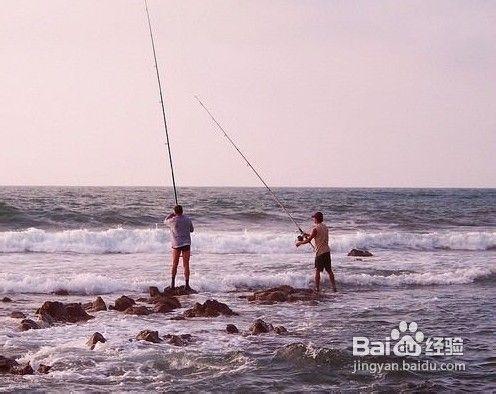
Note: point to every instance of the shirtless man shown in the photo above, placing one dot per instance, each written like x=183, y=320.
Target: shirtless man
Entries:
x=180, y=228
x=320, y=233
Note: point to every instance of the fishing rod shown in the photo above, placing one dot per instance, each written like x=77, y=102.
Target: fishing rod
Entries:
x=161, y=101
x=274, y=195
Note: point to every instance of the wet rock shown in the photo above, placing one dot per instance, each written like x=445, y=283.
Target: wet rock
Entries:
x=178, y=291
x=178, y=317
x=165, y=304
x=22, y=370
x=6, y=299
x=210, y=308
x=260, y=327
x=149, y=336
x=7, y=363
x=95, y=338
x=28, y=324
x=45, y=320
x=280, y=330
x=359, y=253
x=44, y=369
x=122, y=303
x=61, y=292
x=282, y=294
x=138, y=310
x=178, y=340
x=153, y=291
x=96, y=306
x=66, y=313
x=232, y=329
x=17, y=315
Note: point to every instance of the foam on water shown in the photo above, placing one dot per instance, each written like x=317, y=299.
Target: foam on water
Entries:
x=121, y=240
x=92, y=284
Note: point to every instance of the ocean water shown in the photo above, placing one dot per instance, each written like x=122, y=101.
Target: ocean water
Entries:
x=434, y=263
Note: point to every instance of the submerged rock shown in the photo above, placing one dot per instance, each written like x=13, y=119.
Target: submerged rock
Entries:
x=44, y=369
x=282, y=294
x=260, y=327
x=359, y=253
x=96, y=306
x=6, y=299
x=138, y=310
x=178, y=340
x=122, y=303
x=10, y=365
x=22, y=370
x=28, y=324
x=232, y=329
x=17, y=315
x=95, y=338
x=61, y=292
x=210, y=308
x=66, y=313
x=149, y=336
x=6, y=363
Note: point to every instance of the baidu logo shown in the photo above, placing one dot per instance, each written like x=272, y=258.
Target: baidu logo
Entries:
x=407, y=340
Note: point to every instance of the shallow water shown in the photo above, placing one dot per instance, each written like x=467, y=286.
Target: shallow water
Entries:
x=434, y=263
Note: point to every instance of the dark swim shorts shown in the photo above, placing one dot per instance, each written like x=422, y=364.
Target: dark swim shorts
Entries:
x=323, y=261
x=185, y=248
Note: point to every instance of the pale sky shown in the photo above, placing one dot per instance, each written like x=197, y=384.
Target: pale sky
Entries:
x=316, y=93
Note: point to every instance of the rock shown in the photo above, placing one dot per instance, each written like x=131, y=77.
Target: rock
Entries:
x=282, y=294
x=178, y=317
x=22, y=370
x=178, y=340
x=28, y=324
x=95, y=338
x=44, y=369
x=96, y=306
x=360, y=253
x=178, y=291
x=67, y=313
x=17, y=315
x=165, y=304
x=280, y=330
x=122, y=303
x=6, y=363
x=148, y=335
x=6, y=299
x=154, y=291
x=45, y=320
x=260, y=327
x=232, y=329
x=210, y=308
x=138, y=310
x=61, y=292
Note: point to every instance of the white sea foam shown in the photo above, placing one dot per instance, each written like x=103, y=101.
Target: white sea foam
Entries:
x=90, y=284
x=120, y=240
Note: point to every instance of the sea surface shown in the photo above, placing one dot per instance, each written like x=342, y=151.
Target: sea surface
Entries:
x=434, y=263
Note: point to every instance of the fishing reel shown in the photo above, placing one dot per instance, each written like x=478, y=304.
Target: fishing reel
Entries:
x=302, y=237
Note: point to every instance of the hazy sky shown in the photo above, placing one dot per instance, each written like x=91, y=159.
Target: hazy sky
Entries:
x=316, y=93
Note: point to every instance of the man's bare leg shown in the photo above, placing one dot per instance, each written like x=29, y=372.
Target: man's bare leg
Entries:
x=317, y=280
x=175, y=261
x=331, y=278
x=186, y=257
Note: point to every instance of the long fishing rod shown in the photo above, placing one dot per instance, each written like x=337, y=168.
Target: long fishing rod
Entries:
x=161, y=101
x=274, y=196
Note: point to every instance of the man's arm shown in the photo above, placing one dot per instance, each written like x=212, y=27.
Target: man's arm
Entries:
x=168, y=218
x=191, y=228
x=307, y=238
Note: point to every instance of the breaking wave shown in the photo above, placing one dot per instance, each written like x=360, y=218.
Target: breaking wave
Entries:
x=92, y=284
x=120, y=240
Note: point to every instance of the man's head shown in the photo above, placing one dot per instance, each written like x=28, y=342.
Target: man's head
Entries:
x=178, y=210
x=318, y=217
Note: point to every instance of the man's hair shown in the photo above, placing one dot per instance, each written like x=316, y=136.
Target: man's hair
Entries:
x=178, y=210
x=318, y=216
